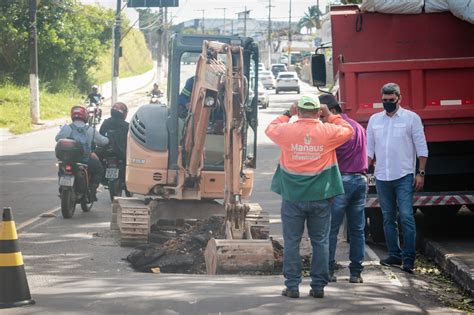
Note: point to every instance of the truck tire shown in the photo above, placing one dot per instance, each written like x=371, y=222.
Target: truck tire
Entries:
x=375, y=225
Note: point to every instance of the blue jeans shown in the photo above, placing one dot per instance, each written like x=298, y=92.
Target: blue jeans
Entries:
x=317, y=215
x=392, y=193
x=352, y=203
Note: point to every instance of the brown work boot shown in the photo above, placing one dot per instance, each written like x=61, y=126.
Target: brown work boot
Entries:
x=290, y=293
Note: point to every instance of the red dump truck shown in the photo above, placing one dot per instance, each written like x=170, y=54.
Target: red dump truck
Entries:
x=431, y=57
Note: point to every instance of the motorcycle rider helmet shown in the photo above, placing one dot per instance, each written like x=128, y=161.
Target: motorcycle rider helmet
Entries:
x=79, y=112
x=119, y=110
x=95, y=87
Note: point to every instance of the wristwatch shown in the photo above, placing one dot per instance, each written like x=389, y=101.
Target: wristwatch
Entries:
x=287, y=113
x=421, y=173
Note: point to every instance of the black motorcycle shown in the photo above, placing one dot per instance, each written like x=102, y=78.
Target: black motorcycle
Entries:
x=73, y=178
x=113, y=160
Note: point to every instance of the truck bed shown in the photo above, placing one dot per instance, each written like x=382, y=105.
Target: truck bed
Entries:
x=431, y=57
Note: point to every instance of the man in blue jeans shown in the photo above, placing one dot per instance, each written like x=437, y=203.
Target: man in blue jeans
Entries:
x=395, y=137
x=352, y=160
x=307, y=178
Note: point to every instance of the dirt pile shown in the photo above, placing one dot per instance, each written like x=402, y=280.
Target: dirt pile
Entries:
x=182, y=250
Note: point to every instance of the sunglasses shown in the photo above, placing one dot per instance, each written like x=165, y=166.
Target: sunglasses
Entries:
x=392, y=100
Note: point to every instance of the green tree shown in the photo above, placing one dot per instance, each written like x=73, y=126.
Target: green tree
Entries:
x=311, y=18
x=70, y=38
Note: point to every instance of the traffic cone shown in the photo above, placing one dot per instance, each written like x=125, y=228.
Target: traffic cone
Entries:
x=14, y=289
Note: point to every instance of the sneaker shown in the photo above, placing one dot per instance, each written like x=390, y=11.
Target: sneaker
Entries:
x=408, y=268
x=391, y=262
x=356, y=279
x=316, y=293
x=332, y=277
x=290, y=293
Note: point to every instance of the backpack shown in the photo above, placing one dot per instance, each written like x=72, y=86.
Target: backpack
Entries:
x=80, y=135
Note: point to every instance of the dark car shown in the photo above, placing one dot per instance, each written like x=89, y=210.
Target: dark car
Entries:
x=277, y=68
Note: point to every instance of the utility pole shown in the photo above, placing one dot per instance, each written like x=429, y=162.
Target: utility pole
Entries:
x=202, y=22
x=33, y=53
x=270, y=47
x=159, y=52
x=289, y=38
x=224, y=9
x=116, y=56
x=245, y=21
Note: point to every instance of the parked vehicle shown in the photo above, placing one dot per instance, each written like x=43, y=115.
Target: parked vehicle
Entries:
x=263, y=100
x=73, y=178
x=287, y=81
x=435, y=72
x=267, y=80
x=277, y=68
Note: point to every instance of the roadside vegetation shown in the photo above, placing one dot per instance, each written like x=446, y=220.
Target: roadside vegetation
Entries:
x=74, y=52
x=15, y=106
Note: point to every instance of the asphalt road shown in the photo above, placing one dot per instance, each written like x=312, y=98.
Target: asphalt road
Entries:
x=76, y=266
x=28, y=168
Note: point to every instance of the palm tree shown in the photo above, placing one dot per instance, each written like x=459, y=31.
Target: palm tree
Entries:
x=311, y=18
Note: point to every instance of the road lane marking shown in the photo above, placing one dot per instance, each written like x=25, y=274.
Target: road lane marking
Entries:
x=33, y=220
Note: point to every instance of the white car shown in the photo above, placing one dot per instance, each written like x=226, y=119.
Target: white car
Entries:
x=266, y=77
x=262, y=96
x=287, y=81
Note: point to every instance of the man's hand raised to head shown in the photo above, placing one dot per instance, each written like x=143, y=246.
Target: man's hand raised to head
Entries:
x=325, y=112
x=294, y=109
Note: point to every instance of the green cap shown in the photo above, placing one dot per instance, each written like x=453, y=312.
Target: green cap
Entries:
x=309, y=103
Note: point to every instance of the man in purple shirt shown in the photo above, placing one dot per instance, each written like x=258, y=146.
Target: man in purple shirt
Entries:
x=351, y=157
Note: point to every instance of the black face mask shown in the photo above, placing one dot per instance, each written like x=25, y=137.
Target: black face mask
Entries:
x=390, y=106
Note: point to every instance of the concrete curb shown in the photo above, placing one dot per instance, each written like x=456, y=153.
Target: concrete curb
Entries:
x=458, y=270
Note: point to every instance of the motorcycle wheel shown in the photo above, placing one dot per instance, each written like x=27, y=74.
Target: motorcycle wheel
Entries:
x=115, y=189
x=68, y=203
x=86, y=207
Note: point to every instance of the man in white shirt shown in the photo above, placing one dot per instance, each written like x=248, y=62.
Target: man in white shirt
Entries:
x=395, y=138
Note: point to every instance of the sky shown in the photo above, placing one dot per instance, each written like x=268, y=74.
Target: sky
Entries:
x=191, y=9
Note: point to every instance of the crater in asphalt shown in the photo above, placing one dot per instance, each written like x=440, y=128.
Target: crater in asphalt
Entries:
x=182, y=250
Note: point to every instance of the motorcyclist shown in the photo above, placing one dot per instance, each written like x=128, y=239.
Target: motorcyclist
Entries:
x=95, y=97
x=119, y=126
x=78, y=126
x=156, y=91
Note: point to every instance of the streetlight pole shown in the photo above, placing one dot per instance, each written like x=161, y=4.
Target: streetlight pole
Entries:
x=289, y=38
x=116, y=56
x=270, y=48
x=202, y=26
x=224, y=9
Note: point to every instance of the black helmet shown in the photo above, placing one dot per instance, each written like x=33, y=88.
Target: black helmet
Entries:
x=119, y=110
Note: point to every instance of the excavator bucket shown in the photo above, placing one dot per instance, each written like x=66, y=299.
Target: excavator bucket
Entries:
x=243, y=254
x=238, y=256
